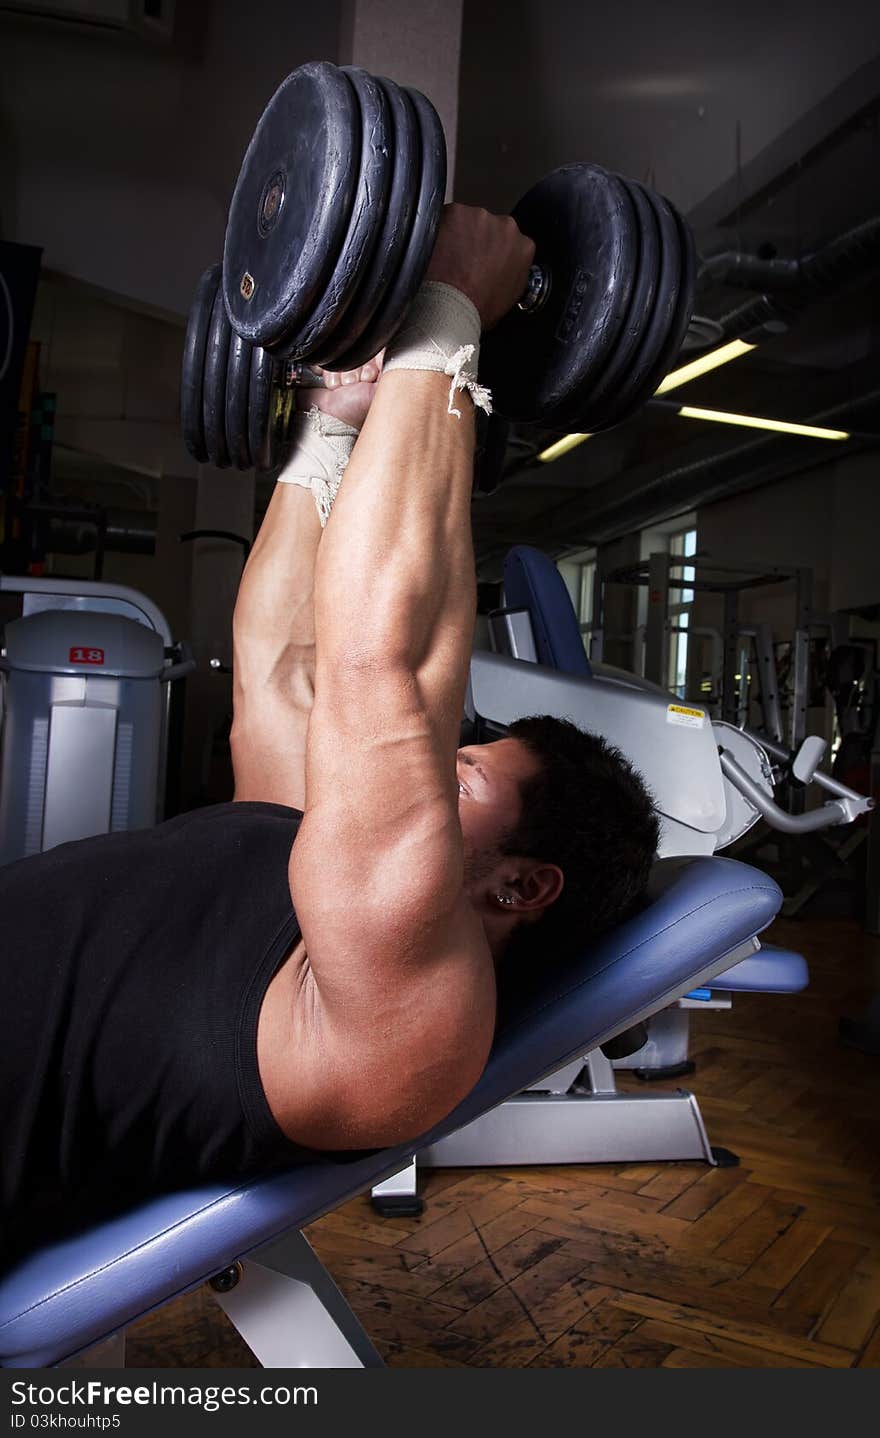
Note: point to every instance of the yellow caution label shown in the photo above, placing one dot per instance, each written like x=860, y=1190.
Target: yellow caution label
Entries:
x=681, y=714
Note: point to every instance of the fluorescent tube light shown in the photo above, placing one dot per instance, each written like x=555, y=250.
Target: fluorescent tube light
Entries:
x=562, y=446
x=751, y=421
x=723, y=355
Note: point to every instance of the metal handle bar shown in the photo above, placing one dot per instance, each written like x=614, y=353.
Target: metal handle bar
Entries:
x=536, y=291
x=186, y=664
x=839, y=811
x=825, y=781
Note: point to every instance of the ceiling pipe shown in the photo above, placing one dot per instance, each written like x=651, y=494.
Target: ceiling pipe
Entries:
x=749, y=272
x=827, y=265
x=788, y=286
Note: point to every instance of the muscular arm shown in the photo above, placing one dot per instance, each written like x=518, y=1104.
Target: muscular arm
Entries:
x=274, y=652
x=399, y=964
x=274, y=624
x=401, y=982
x=377, y=871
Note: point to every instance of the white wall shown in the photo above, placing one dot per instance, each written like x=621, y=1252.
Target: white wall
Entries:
x=779, y=525
x=119, y=156
x=855, y=538
x=828, y=518
x=654, y=91
x=116, y=373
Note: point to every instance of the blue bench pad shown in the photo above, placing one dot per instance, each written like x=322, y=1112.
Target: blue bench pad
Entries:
x=68, y=1296
x=772, y=971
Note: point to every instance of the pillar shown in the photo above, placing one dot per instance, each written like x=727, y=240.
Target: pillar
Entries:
x=413, y=42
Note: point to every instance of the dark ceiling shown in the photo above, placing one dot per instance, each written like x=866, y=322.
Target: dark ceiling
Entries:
x=759, y=121
x=761, y=124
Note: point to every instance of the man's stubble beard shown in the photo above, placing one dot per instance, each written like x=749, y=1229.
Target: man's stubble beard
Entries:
x=478, y=865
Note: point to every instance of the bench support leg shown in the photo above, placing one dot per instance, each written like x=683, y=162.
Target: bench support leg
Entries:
x=397, y=1196
x=290, y=1313
x=578, y=1128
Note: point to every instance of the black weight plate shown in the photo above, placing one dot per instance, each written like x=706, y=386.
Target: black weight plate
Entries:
x=285, y=409
x=405, y=144
x=262, y=375
x=214, y=387
x=292, y=204
x=238, y=384
x=420, y=245
x=328, y=323
x=193, y=369
x=647, y=369
x=540, y=365
x=674, y=303
x=583, y=412
x=268, y=405
x=603, y=398
x=686, y=294
x=399, y=213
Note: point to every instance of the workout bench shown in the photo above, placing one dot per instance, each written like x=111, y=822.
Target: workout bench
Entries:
x=701, y=916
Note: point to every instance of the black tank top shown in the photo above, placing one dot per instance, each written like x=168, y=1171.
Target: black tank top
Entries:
x=133, y=970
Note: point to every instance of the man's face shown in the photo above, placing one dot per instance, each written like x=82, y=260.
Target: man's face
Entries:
x=490, y=779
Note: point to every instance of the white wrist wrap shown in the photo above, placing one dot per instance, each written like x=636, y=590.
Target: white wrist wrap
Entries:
x=441, y=332
x=321, y=448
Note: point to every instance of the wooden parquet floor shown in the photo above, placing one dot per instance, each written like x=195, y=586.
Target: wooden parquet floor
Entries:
x=772, y=1264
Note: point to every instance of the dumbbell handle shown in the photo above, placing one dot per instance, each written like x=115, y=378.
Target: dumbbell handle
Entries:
x=536, y=291
x=302, y=376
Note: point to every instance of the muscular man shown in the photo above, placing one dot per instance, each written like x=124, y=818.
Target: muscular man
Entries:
x=171, y=1016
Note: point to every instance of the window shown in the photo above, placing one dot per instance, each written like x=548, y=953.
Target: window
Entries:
x=579, y=572
x=682, y=545
x=586, y=579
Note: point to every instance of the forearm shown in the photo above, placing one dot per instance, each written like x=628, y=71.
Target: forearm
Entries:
x=274, y=653
x=274, y=610
x=377, y=871
x=274, y=624
x=395, y=588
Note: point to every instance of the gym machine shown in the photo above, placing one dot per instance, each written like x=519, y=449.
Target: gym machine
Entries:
x=734, y=644
x=745, y=673
x=88, y=675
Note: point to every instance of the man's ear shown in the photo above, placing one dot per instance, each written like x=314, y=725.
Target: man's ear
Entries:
x=537, y=886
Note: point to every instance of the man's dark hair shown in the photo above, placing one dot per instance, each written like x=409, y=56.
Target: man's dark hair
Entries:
x=588, y=811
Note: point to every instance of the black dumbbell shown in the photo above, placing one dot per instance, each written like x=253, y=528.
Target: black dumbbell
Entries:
x=329, y=235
